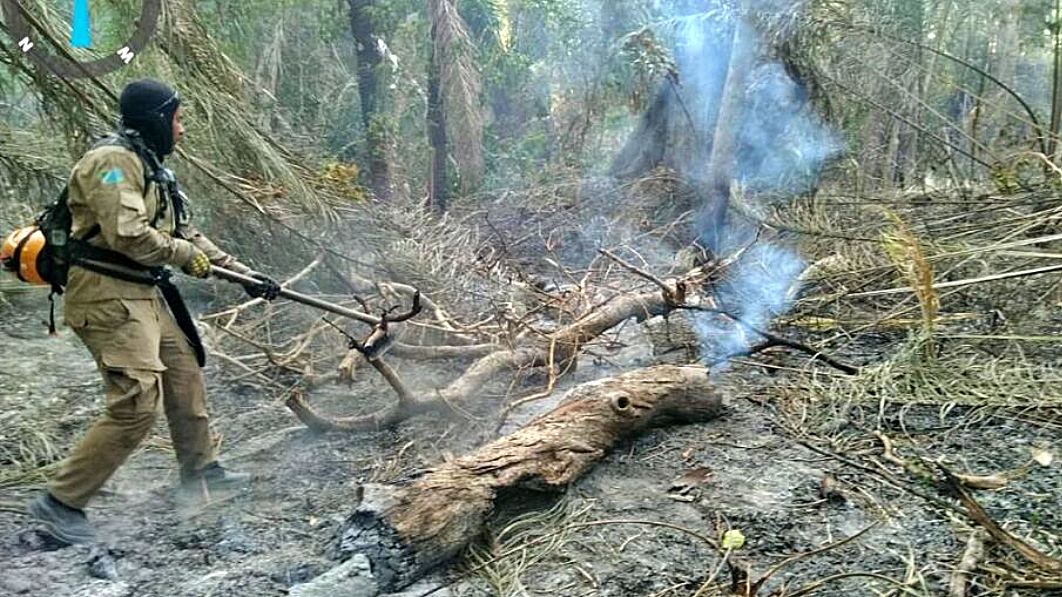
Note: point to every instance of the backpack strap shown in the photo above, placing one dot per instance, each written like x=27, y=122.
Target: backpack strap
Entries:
x=130, y=140
x=153, y=171
x=16, y=258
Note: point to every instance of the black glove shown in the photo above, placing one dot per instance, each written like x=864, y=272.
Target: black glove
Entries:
x=267, y=288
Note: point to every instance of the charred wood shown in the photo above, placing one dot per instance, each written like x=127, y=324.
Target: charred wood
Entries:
x=407, y=531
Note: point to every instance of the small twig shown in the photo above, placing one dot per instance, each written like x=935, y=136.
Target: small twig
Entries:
x=883, y=473
x=967, y=282
x=414, y=310
x=1044, y=585
x=711, y=577
x=815, y=586
x=975, y=550
x=362, y=302
x=13, y=508
x=550, y=384
x=803, y=556
x=565, y=528
x=669, y=293
x=266, y=350
x=250, y=371
x=775, y=340
x=920, y=470
x=889, y=454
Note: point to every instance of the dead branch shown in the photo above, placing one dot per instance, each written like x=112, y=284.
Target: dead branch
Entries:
x=1041, y=584
x=380, y=339
x=265, y=349
x=359, y=285
x=668, y=290
x=381, y=419
x=922, y=471
x=975, y=550
x=565, y=344
x=406, y=531
x=428, y=353
x=978, y=515
x=775, y=340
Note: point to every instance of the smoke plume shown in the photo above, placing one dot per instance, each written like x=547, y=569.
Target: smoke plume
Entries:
x=780, y=147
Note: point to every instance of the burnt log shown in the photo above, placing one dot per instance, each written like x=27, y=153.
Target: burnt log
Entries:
x=407, y=531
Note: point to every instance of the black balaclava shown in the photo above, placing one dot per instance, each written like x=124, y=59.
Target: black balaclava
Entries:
x=147, y=107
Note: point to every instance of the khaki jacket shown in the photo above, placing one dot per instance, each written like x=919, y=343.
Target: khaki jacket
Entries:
x=107, y=188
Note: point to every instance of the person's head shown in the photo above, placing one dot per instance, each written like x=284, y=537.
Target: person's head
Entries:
x=152, y=108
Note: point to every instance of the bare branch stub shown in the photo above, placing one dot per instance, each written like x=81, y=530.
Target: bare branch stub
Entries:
x=379, y=341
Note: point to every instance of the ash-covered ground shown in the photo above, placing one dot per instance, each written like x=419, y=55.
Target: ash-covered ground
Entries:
x=633, y=527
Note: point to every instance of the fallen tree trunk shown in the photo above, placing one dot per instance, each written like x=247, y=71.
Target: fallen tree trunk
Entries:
x=407, y=531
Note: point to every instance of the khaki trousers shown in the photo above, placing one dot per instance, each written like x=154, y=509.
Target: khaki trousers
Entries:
x=145, y=360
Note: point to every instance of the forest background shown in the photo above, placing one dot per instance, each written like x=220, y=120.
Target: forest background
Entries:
x=881, y=180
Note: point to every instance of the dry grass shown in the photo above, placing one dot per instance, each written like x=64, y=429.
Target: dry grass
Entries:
x=965, y=357
x=964, y=376
x=31, y=459
x=507, y=554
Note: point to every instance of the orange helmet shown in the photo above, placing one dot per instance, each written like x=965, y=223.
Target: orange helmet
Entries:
x=20, y=251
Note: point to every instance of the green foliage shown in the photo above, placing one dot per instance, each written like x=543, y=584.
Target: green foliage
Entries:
x=651, y=62
x=485, y=20
x=381, y=134
x=565, y=80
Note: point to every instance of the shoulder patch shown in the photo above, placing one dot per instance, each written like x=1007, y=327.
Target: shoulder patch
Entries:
x=113, y=176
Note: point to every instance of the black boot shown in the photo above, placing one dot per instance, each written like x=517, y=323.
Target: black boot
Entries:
x=69, y=525
x=216, y=478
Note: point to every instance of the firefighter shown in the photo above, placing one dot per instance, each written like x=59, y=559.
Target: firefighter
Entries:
x=130, y=216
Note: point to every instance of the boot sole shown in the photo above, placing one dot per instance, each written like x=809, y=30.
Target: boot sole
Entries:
x=40, y=515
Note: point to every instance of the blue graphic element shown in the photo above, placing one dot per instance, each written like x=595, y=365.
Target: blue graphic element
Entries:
x=81, y=36
x=112, y=176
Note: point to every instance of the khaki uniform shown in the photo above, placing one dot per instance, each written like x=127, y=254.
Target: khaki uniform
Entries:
x=145, y=359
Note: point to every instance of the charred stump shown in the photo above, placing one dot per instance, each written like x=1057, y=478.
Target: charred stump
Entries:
x=407, y=531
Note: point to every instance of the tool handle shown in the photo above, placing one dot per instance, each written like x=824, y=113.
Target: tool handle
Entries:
x=231, y=276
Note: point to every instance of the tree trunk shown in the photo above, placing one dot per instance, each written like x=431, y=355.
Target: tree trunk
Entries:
x=1056, y=87
x=1004, y=65
x=361, y=26
x=407, y=531
x=439, y=186
x=647, y=148
x=377, y=137
x=722, y=161
x=907, y=155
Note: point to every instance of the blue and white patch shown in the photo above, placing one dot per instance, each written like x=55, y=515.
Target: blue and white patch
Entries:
x=112, y=177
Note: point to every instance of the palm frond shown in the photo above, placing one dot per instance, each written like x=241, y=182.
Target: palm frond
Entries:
x=455, y=53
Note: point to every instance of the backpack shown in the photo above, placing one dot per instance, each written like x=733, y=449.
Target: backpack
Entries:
x=56, y=222
x=53, y=261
